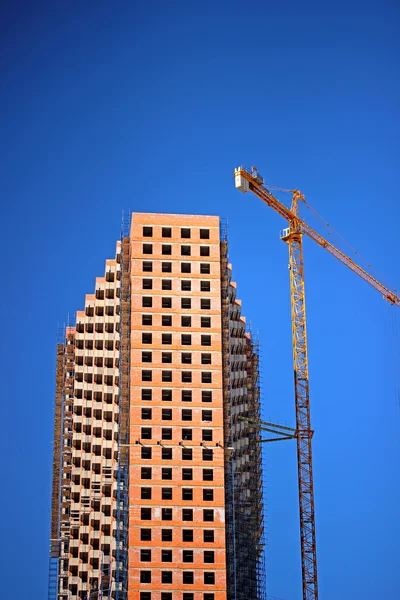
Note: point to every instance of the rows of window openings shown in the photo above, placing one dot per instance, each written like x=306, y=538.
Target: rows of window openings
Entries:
x=97, y=413
x=166, y=434
x=97, y=397
x=97, y=432
x=168, y=595
x=167, y=453
x=166, y=494
x=166, y=302
x=95, y=525
x=186, y=285
x=96, y=378
x=166, y=358
x=108, y=294
x=85, y=482
x=81, y=463
x=186, y=414
x=187, y=495
x=104, y=327
x=90, y=448
x=94, y=542
x=108, y=345
x=104, y=508
x=143, y=595
x=77, y=515
x=186, y=232
x=186, y=321
x=167, y=535
x=97, y=361
x=166, y=338
x=166, y=267
x=187, y=578
x=79, y=393
x=166, y=376
x=167, y=513
x=187, y=555
x=167, y=395
x=166, y=250
x=101, y=311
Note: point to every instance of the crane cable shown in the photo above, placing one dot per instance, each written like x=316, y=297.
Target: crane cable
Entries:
x=395, y=329
x=393, y=316
x=396, y=345
x=332, y=231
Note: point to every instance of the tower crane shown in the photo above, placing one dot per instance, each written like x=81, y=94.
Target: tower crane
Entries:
x=250, y=180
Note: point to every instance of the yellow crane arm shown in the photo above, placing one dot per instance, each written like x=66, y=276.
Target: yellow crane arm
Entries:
x=255, y=184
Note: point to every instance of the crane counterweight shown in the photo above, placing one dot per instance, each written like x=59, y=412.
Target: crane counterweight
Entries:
x=241, y=183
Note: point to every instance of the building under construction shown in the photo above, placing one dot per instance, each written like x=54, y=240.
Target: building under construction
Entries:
x=157, y=481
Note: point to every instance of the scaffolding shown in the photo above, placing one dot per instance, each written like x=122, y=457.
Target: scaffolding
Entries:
x=228, y=456
x=255, y=484
x=243, y=454
x=264, y=538
x=121, y=579
x=55, y=542
x=67, y=408
x=62, y=457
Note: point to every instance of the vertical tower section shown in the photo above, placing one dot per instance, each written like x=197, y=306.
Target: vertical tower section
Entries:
x=94, y=442
x=62, y=465
x=243, y=459
x=229, y=464
x=157, y=486
x=67, y=462
x=55, y=539
x=177, y=542
x=253, y=479
x=121, y=587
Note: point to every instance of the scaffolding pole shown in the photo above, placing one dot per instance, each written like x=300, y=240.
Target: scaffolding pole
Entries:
x=55, y=542
x=121, y=580
x=243, y=484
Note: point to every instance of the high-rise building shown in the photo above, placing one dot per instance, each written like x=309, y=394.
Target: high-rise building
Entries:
x=157, y=484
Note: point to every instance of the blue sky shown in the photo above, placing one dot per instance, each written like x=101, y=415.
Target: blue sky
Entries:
x=149, y=106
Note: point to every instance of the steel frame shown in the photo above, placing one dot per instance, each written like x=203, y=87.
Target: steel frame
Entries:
x=122, y=534
x=244, y=514
x=304, y=433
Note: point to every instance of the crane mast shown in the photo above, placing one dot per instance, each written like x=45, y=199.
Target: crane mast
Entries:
x=250, y=180
x=293, y=237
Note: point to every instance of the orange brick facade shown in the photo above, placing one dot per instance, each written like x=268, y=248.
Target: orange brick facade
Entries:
x=177, y=408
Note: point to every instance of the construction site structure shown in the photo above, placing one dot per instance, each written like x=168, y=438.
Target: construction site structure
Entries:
x=250, y=180
x=157, y=476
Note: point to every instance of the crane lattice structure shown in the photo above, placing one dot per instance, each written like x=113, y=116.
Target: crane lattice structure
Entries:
x=250, y=180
